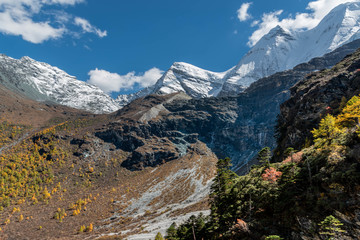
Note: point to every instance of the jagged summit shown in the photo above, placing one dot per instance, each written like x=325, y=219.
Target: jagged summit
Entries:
x=181, y=77
x=43, y=82
x=264, y=59
x=278, y=30
x=281, y=50
x=277, y=51
x=195, y=81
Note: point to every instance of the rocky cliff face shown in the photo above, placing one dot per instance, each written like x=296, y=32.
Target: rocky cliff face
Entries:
x=236, y=127
x=318, y=94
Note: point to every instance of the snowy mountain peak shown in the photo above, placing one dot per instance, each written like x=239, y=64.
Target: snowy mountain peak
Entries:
x=342, y=8
x=26, y=59
x=280, y=50
x=43, y=82
x=271, y=41
x=181, y=77
x=182, y=65
x=275, y=32
x=345, y=21
x=264, y=59
x=193, y=71
x=276, y=51
x=184, y=77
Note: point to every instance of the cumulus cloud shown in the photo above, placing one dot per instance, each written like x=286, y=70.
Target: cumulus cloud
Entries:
x=29, y=30
x=113, y=82
x=69, y=2
x=87, y=27
x=242, y=12
x=317, y=10
x=17, y=18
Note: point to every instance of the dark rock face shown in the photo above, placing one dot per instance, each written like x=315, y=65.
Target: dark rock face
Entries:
x=150, y=144
x=121, y=139
x=314, y=97
x=239, y=127
x=79, y=142
x=236, y=127
x=151, y=156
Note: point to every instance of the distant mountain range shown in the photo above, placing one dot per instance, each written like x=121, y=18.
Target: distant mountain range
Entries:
x=277, y=51
x=45, y=83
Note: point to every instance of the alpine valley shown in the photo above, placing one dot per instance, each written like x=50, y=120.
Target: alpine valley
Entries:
x=77, y=164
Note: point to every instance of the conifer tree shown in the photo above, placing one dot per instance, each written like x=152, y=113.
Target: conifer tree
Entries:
x=264, y=155
x=171, y=233
x=331, y=227
x=327, y=132
x=220, y=215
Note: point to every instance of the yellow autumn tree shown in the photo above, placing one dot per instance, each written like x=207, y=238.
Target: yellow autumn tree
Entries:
x=327, y=132
x=350, y=114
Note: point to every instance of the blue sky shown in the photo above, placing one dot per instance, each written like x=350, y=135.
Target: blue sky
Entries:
x=120, y=40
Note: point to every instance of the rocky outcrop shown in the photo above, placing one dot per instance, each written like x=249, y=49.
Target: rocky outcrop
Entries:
x=235, y=127
x=314, y=97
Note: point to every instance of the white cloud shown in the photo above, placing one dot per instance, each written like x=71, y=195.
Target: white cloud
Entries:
x=87, y=27
x=242, y=12
x=255, y=23
x=29, y=30
x=113, y=82
x=317, y=10
x=17, y=18
x=69, y=2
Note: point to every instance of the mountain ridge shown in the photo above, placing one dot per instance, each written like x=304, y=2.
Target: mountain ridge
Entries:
x=245, y=123
x=42, y=82
x=276, y=51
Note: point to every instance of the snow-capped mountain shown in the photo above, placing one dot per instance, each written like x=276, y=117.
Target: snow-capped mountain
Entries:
x=43, y=82
x=264, y=59
x=195, y=81
x=278, y=50
x=182, y=77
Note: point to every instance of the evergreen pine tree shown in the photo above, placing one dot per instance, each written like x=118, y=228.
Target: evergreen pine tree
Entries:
x=264, y=156
x=171, y=233
x=220, y=216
